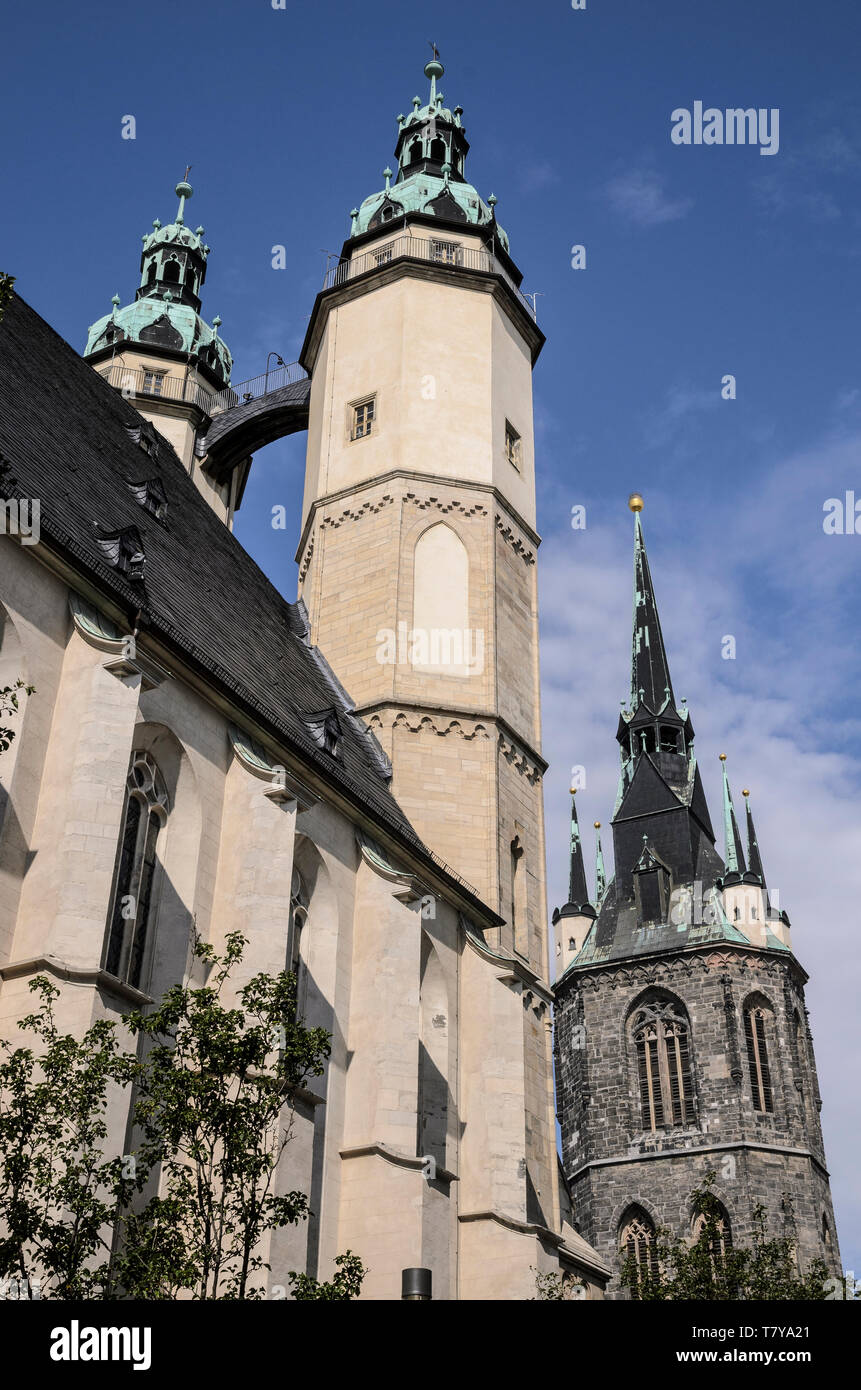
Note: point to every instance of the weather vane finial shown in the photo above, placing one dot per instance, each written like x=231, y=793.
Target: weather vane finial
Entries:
x=434, y=50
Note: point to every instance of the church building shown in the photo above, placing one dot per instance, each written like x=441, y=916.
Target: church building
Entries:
x=353, y=775
x=352, y=778
x=682, y=1038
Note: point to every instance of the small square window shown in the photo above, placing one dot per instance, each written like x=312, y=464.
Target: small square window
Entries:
x=512, y=445
x=364, y=415
x=447, y=252
x=153, y=383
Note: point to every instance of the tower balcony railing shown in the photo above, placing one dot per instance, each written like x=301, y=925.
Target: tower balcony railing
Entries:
x=258, y=386
x=158, y=386
x=163, y=386
x=442, y=251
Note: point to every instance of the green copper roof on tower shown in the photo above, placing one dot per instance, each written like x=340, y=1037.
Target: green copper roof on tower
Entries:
x=600, y=873
x=431, y=152
x=166, y=311
x=183, y=191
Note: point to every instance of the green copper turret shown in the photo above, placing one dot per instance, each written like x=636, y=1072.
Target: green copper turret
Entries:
x=165, y=314
x=431, y=152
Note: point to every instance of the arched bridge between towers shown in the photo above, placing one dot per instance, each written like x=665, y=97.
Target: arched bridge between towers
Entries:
x=246, y=417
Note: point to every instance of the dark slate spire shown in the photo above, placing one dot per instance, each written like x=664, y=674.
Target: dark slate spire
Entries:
x=578, y=904
x=577, y=890
x=734, y=857
x=753, y=856
x=666, y=888
x=650, y=672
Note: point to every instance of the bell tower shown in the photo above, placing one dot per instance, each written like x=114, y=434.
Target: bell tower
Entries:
x=162, y=354
x=683, y=1045
x=418, y=550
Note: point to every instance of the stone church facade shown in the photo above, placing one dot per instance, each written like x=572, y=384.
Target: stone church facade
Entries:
x=682, y=1039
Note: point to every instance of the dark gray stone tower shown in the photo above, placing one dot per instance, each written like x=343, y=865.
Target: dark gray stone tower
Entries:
x=682, y=1040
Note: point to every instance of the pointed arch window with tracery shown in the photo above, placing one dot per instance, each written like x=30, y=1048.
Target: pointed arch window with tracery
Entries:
x=638, y=1248
x=720, y=1241
x=661, y=1038
x=757, y=1022
x=298, y=920
x=133, y=906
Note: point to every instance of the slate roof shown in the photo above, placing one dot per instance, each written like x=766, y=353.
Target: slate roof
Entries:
x=64, y=435
x=650, y=670
x=661, y=819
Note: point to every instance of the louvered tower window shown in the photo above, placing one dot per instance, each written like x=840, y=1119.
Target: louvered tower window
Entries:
x=757, y=1058
x=662, y=1043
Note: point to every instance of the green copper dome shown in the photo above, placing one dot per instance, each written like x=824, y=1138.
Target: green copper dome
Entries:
x=431, y=153
x=166, y=308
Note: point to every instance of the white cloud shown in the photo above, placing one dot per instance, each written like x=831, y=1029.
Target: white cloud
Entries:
x=640, y=197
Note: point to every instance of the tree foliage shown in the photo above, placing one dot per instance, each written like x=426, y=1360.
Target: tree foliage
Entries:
x=187, y=1211
x=557, y=1286
x=58, y=1192
x=705, y=1269
x=8, y=706
x=345, y=1285
x=215, y=1086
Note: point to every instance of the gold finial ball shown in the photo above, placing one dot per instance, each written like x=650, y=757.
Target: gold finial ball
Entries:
x=573, y=791
x=745, y=791
x=635, y=502
x=722, y=757
x=597, y=824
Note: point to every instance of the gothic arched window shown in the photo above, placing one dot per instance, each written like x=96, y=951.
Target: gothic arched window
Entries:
x=638, y=1247
x=438, y=151
x=298, y=919
x=757, y=1024
x=170, y=274
x=133, y=906
x=661, y=1037
x=721, y=1240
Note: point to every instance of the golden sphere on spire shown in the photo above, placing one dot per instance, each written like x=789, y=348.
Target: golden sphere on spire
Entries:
x=573, y=791
x=597, y=824
x=635, y=502
x=745, y=791
x=722, y=757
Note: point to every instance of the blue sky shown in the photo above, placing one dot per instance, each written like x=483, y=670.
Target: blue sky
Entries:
x=701, y=261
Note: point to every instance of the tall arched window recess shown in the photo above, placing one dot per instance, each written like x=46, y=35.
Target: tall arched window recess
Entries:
x=661, y=1037
x=757, y=1026
x=133, y=905
x=298, y=919
x=721, y=1237
x=638, y=1247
